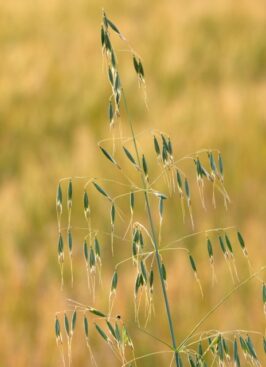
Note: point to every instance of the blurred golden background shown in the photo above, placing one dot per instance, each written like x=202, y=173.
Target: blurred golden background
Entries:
x=205, y=66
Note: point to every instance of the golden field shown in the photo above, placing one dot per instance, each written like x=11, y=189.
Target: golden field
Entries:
x=205, y=68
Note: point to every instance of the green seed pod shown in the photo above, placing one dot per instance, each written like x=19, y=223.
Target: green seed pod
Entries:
x=220, y=163
x=141, y=70
x=60, y=247
x=264, y=293
x=236, y=355
x=210, y=250
x=179, y=179
x=129, y=156
x=187, y=190
x=169, y=147
x=110, y=112
x=113, y=26
x=192, y=263
x=114, y=282
x=97, y=247
x=143, y=271
x=212, y=162
x=108, y=156
x=86, y=326
x=222, y=245
x=101, y=332
x=144, y=166
x=241, y=240
x=251, y=348
x=69, y=241
x=102, y=37
x=86, y=252
x=136, y=64
x=100, y=189
x=132, y=201
x=69, y=194
x=66, y=324
x=74, y=321
x=86, y=204
x=112, y=214
x=59, y=197
x=96, y=312
x=92, y=258
x=156, y=146
x=111, y=329
x=151, y=279
x=57, y=328
x=164, y=272
x=228, y=243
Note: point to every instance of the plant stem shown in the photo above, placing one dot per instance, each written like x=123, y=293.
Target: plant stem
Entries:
x=153, y=234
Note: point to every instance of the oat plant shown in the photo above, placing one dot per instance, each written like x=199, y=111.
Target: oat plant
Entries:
x=142, y=239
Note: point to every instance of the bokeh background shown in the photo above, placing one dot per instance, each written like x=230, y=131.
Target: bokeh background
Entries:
x=205, y=66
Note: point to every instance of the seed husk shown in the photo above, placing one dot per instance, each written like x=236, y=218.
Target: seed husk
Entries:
x=192, y=263
x=101, y=332
x=156, y=145
x=109, y=157
x=100, y=189
x=96, y=312
x=66, y=324
x=114, y=282
x=86, y=326
x=129, y=155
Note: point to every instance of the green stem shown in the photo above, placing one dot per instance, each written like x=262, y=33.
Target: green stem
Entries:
x=153, y=234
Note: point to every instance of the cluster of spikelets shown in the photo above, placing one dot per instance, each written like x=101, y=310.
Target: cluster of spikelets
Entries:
x=221, y=348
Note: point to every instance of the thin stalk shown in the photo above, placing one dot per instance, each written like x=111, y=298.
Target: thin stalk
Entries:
x=153, y=235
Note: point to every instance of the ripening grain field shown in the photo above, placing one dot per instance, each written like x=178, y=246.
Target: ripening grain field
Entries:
x=205, y=72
